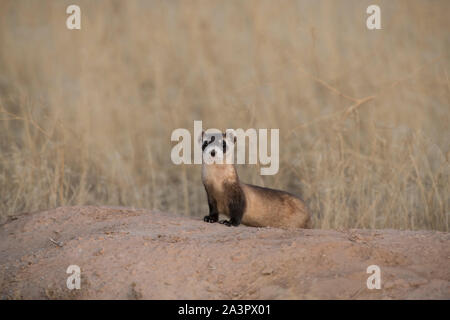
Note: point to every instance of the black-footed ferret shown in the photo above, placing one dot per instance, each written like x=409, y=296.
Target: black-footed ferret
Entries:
x=244, y=203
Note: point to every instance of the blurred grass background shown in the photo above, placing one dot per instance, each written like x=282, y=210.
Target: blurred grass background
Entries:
x=86, y=116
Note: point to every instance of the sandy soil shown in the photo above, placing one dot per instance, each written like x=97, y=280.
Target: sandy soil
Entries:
x=138, y=254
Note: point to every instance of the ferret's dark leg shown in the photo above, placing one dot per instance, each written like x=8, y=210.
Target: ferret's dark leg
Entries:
x=213, y=212
x=236, y=206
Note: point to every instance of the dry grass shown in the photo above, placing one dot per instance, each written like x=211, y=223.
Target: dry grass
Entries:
x=86, y=116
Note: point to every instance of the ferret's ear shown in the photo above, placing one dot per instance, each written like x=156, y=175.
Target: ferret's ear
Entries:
x=200, y=137
x=230, y=135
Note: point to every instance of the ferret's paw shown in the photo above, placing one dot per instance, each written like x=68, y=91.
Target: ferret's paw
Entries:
x=227, y=223
x=210, y=219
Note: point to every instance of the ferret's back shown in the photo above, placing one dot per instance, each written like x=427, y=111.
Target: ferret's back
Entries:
x=274, y=208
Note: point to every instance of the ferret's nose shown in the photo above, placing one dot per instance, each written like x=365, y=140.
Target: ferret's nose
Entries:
x=213, y=153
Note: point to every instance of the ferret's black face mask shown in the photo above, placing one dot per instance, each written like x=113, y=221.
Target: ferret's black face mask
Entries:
x=207, y=142
x=215, y=147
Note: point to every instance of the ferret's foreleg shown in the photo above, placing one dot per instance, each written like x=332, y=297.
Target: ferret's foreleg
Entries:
x=236, y=207
x=213, y=212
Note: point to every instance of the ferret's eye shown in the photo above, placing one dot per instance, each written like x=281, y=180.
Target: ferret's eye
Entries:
x=204, y=145
x=224, y=145
x=213, y=138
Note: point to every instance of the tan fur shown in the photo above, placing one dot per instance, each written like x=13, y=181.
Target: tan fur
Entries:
x=264, y=207
x=215, y=177
x=270, y=208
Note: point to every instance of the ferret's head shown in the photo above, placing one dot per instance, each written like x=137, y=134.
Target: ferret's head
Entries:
x=218, y=147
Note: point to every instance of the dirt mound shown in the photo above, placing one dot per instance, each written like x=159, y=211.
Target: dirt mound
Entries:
x=133, y=254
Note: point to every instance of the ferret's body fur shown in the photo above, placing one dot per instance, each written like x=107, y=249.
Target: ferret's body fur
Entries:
x=248, y=204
